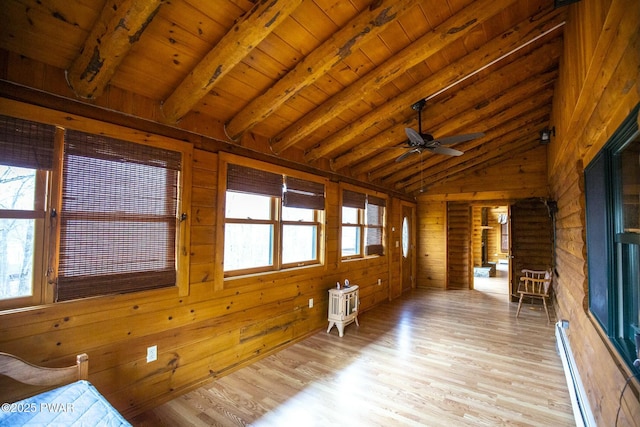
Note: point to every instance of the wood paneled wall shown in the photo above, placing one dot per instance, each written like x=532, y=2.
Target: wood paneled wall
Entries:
x=458, y=245
x=213, y=330
x=432, y=245
x=598, y=86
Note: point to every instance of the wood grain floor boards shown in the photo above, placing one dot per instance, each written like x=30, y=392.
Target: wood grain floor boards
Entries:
x=430, y=358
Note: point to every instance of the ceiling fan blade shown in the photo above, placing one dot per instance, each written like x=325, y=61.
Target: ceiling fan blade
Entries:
x=446, y=150
x=414, y=137
x=448, y=140
x=407, y=154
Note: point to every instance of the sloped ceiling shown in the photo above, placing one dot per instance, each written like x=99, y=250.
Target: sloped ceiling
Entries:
x=332, y=81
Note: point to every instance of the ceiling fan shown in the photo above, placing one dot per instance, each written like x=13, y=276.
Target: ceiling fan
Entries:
x=418, y=141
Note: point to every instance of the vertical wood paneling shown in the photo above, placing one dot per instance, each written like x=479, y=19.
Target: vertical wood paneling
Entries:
x=432, y=244
x=458, y=244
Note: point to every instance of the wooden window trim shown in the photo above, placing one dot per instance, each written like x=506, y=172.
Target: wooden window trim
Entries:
x=377, y=198
x=228, y=279
x=72, y=121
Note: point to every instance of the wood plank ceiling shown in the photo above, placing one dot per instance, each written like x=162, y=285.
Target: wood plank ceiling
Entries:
x=328, y=82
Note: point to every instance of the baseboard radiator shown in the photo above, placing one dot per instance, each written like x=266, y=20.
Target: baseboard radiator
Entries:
x=579, y=400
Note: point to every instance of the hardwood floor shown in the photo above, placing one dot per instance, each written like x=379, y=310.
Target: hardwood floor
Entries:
x=497, y=285
x=430, y=358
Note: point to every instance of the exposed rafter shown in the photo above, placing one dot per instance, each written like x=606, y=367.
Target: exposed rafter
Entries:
x=454, y=28
x=119, y=27
x=353, y=35
x=245, y=35
x=502, y=45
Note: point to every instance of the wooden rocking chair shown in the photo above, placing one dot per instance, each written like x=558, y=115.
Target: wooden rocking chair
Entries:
x=535, y=284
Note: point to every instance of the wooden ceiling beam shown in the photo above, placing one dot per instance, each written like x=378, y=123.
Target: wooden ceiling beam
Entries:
x=353, y=35
x=499, y=82
x=506, y=42
x=513, y=105
x=252, y=28
x=517, y=99
x=119, y=27
x=454, y=28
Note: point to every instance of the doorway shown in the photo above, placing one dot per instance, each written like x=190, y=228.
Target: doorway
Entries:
x=490, y=249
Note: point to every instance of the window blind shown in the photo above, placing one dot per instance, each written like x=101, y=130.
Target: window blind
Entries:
x=118, y=218
x=353, y=199
x=377, y=201
x=301, y=193
x=375, y=214
x=255, y=181
x=26, y=144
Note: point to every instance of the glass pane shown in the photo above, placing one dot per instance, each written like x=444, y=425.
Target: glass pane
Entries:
x=374, y=214
x=350, y=241
x=244, y=206
x=247, y=246
x=630, y=163
x=16, y=257
x=297, y=214
x=299, y=243
x=405, y=237
x=349, y=215
x=17, y=188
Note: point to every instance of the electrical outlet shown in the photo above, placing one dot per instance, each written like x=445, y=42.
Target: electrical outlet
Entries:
x=310, y=302
x=152, y=353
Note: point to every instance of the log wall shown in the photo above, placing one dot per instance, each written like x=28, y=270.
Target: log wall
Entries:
x=597, y=88
x=216, y=328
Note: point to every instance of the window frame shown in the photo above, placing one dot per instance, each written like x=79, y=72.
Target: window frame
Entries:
x=362, y=223
x=46, y=256
x=40, y=239
x=277, y=204
x=612, y=299
x=317, y=222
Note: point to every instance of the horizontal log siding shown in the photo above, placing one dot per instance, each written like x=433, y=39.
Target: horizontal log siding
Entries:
x=597, y=88
x=202, y=336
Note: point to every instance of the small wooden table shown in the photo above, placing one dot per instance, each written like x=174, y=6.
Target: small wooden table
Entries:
x=343, y=308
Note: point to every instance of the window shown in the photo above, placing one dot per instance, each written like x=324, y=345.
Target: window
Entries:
x=272, y=221
x=118, y=218
x=104, y=218
x=362, y=225
x=25, y=165
x=612, y=182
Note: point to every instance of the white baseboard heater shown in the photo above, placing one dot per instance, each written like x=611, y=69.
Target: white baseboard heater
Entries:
x=579, y=400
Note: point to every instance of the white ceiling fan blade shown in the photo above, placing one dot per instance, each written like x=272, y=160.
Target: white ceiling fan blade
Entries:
x=414, y=137
x=407, y=154
x=447, y=151
x=448, y=140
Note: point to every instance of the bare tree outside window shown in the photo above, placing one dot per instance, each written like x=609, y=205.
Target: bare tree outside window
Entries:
x=17, y=193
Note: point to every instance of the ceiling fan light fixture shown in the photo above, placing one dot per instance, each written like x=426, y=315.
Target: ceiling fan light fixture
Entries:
x=546, y=134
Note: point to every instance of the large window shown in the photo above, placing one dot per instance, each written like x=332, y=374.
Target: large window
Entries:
x=118, y=218
x=612, y=182
x=103, y=217
x=273, y=221
x=363, y=217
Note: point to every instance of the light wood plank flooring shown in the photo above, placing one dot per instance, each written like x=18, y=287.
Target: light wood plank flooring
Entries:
x=430, y=358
